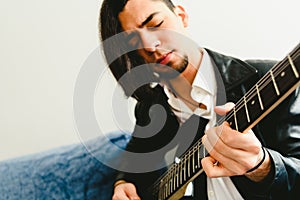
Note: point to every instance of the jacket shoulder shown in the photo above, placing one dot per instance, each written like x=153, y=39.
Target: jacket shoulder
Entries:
x=262, y=66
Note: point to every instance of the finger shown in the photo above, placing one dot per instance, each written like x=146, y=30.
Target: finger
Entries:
x=234, y=159
x=222, y=152
x=230, y=166
x=237, y=140
x=223, y=109
x=213, y=141
x=210, y=139
x=213, y=169
x=125, y=191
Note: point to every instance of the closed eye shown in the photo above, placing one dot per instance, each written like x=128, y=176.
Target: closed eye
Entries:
x=156, y=26
x=160, y=23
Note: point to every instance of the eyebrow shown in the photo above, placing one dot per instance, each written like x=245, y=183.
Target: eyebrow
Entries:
x=149, y=18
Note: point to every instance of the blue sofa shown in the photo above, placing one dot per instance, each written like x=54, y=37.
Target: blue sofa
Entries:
x=69, y=172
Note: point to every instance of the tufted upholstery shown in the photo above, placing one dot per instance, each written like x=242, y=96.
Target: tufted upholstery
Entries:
x=69, y=172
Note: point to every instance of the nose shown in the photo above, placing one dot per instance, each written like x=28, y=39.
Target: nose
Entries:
x=150, y=42
x=151, y=46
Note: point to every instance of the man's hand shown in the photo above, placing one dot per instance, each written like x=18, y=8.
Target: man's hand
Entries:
x=233, y=153
x=125, y=191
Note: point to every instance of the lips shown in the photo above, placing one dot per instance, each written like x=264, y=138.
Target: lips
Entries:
x=165, y=58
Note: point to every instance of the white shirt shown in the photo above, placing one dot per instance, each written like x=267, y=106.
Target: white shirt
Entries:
x=204, y=90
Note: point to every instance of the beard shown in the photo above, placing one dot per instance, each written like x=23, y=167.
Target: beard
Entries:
x=173, y=70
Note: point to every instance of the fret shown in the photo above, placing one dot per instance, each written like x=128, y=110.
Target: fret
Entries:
x=235, y=119
x=163, y=191
x=165, y=187
x=293, y=66
x=259, y=98
x=246, y=108
x=193, y=160
x=274, y=83
x=171, y=185
x=161, y=188
x=180, y=173
x=184, y=170
x=286, y=78
x=269, y=93
x=189, y=167
x=160, y=194
x=238, y=120
x=168, y=184
x=264, y=96
x=199, y=157
x=254, y=108
x=174, y=179
x=166, y=190
x=177, y=178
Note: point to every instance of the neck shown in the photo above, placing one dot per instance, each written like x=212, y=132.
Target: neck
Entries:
x=195, y=60
x=181, y=86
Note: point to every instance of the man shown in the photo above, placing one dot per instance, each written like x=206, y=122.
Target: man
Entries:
x=260, y=163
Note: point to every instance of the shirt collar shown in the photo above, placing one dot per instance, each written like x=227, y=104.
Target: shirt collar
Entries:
x=205, y=77
x=204, y=82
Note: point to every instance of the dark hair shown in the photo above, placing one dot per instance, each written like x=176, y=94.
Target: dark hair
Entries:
x=110, y=26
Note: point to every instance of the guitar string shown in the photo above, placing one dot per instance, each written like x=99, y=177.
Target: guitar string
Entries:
x=198, y=145
x=262, y=82
x=278, y=69
x=265, y=81
x=251, y=94
x=176, y=167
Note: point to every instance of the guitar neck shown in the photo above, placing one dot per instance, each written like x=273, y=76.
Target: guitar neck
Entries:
x=262, y=98
x=280, y=81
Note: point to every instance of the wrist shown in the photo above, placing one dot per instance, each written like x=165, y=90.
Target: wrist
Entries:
x=260, y=162
x=262, y=171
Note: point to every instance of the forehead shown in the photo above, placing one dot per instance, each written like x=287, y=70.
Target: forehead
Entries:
x=136, y=11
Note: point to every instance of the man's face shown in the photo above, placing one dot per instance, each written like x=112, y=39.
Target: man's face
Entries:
x=157, y=33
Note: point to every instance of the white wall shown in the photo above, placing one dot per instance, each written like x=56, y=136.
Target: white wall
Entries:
x=43, y=45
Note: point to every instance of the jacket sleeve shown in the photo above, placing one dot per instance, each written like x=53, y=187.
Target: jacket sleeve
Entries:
x=285, y=148
x=279, y=132
x=145, y=139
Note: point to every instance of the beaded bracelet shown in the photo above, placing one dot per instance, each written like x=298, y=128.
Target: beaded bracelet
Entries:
x=259, y=164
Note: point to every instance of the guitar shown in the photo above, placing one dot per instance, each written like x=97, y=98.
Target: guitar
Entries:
x=279, y=82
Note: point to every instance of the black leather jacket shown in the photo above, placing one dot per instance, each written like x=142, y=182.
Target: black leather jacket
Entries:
x=279, y=132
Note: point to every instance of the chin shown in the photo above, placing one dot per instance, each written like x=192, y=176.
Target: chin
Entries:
x=172, y=73
x=169, y=72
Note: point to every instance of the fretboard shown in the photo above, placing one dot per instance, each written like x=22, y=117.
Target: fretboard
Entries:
x=267, y=93
x=262, y=98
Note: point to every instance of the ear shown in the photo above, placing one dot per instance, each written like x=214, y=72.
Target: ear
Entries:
x=180, y=11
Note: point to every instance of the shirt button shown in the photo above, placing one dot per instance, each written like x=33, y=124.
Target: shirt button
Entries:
x=210, y=194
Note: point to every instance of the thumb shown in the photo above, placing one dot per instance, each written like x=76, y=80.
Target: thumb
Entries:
x=223, y=109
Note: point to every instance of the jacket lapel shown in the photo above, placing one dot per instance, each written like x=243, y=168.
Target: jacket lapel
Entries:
x=233, y=71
